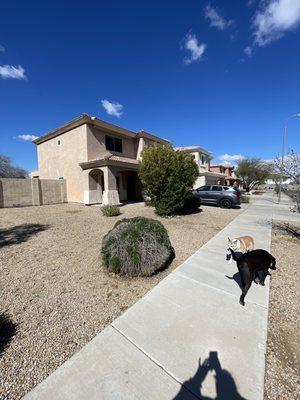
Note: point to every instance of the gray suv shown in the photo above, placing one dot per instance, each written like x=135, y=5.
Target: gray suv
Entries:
x=223, y=196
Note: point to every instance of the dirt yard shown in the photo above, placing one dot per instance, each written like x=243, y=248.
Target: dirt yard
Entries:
x=56, y=296
x=282, y=380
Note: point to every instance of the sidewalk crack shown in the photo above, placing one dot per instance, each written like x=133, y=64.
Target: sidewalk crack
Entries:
x=157, y=363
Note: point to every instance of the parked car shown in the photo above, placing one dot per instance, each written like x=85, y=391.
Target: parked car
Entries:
x=223, y=196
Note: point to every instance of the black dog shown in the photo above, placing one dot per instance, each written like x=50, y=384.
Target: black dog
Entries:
x=250, y=266
x=260, y=276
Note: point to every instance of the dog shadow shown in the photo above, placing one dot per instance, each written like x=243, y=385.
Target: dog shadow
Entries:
x=237, y=278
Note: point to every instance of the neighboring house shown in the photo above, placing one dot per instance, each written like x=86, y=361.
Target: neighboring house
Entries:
x=229, y=177
x=202, y=158
x=99, y=160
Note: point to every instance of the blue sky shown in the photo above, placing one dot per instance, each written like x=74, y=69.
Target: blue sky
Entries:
x=221, y=75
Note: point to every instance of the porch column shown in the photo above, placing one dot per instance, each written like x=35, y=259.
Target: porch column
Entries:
x=110, y=194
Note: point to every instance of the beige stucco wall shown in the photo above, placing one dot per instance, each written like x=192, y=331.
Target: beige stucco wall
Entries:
x=96, y=144
x=212, y=180
x=61, y=160
x=139, y=145
x=143, y=143
x=203, y=167
x=200, y=181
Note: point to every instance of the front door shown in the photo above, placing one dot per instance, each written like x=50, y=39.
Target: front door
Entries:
x=131, y=186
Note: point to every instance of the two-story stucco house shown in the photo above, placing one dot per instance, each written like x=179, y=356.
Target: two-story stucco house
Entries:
x=202, y=158
x=99, y=160
x=228, y=172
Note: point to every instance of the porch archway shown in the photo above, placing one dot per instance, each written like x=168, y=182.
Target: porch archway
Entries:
x=96, y=186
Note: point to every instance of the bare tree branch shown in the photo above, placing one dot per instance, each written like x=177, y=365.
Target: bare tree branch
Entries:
x=290, y=167
x=8, y=170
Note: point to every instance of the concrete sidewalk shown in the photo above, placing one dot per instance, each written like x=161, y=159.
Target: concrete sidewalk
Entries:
x=188, y=338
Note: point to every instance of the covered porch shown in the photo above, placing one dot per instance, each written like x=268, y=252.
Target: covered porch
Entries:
x=209, y=178
x=113, y=183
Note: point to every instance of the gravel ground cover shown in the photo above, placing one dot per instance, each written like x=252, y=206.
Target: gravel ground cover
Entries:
x=282, y=380
x=56, y=296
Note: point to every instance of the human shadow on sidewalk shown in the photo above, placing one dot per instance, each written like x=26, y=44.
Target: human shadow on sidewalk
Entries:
x=225, y=385
x=20, y=233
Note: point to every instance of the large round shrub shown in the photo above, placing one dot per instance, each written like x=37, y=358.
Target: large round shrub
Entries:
x=137, y=246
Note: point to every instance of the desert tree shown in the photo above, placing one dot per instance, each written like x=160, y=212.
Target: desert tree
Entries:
x=253, y=171
x=8, y=170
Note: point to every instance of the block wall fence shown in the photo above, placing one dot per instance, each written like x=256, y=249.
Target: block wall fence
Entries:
x=32, y=192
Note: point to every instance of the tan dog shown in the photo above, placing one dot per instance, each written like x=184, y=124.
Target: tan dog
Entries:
x=242, y=244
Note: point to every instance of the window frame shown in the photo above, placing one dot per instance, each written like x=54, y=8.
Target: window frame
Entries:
x=219, y=188
x=204, y=190
x=113, y=143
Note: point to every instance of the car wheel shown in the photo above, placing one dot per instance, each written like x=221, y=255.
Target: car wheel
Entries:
x=225, y=203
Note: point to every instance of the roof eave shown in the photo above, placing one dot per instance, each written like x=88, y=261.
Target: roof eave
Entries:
x=107, y=162
x=74, y=123
x=81, y=120
x=142, y=134
x=194, y=150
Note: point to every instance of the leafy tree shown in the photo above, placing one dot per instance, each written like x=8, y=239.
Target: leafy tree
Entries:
x=8, y=170
x=168, y=177
x=253, y=171
x=290, y=167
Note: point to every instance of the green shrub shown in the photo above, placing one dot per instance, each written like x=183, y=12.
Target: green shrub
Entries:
x=191, y=204
x=137, y=246
x=110, y=211
x=168, y=177
x=245, y=199
x=148, y=202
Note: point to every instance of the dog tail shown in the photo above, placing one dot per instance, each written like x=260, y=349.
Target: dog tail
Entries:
x=233, y=254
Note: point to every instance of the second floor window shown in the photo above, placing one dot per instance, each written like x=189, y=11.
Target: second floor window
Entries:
x=113, y=144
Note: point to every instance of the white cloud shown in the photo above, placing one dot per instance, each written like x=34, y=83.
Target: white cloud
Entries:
x=215, y=18
x=248, y=51
x=112, y=108
x=228, y=159
x=269, y=161
x=28, y=138
x=195, y=48
x=11, y=72
x=251, y=3
x=2, y=49
x=274, y=19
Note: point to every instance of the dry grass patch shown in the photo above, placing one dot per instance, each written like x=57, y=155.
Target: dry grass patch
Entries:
x=282, y=380
x=54, y=289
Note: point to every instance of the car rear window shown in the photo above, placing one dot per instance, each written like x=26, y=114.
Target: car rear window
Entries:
x=217, y=188
x=203, y=188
